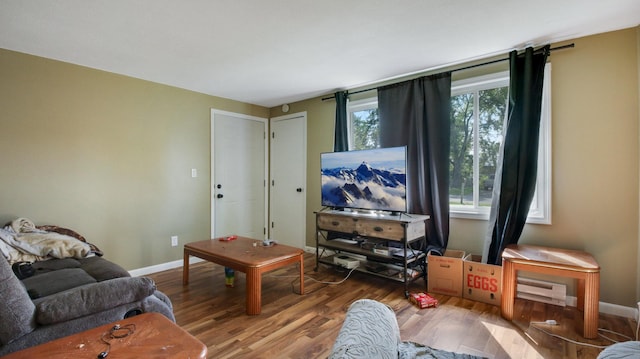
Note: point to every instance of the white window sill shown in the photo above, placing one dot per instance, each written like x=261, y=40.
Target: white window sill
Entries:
x=484, y=216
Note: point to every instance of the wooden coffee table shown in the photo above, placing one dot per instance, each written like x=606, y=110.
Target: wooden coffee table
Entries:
x=154, y=336
x=248, y=256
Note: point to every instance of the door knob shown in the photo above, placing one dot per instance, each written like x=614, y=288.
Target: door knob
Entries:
x=298, y=189
x=219, y=195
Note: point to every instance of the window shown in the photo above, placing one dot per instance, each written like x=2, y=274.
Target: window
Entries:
x=478, y=114
x=364, y=129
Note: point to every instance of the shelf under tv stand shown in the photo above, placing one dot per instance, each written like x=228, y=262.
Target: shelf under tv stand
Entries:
x=385, y=245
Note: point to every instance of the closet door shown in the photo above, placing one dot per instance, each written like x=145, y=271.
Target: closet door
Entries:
x=288, y=193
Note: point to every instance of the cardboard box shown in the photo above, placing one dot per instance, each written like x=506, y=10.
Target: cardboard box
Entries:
x=482, y=282
x=444, y=273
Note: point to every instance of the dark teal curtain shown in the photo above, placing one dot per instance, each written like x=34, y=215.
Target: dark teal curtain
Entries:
x=512, y=197
x=341, y=138
x=416, y=114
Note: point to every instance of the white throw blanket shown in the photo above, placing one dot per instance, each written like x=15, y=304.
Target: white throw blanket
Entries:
x=23, y=242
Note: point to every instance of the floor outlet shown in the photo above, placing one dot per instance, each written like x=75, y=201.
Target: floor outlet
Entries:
x=174, y=241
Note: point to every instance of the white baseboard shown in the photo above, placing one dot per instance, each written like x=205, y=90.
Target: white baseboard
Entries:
x=607, y=308
x=162, y=267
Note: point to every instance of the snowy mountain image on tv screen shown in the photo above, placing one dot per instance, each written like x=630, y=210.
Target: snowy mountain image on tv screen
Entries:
x=368, y=179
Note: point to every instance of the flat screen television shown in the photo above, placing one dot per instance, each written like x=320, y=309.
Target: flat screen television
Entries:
x=374, y=180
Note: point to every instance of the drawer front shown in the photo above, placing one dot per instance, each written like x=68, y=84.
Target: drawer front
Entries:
x=336, y=223
x=380, y=229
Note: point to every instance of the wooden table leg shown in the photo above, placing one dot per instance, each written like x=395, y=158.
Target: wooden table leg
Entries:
x=185, y=268
x=591, y=305
x=580, y=294
x=508, y=289
x=254, y=291
x=301, y=274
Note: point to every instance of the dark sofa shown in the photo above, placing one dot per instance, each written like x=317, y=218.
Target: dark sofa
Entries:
x=69, y=295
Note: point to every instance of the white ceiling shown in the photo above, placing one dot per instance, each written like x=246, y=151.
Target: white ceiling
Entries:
x=281, y=51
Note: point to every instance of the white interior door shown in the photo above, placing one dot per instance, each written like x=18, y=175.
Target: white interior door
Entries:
x=239, y=171
x=288, y=179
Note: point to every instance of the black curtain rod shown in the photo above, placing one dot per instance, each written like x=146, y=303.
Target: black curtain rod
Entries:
x=460, y=69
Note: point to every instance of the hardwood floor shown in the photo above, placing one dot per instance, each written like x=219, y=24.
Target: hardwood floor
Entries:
x=294, y=326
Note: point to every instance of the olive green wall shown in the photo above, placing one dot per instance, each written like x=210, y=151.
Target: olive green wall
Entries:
x=107, y=155
x=595, y=115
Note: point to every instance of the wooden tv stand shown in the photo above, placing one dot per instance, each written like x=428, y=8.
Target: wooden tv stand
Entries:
x=385, y=245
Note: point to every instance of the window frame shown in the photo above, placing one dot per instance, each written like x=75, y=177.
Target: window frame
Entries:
x=541, y=212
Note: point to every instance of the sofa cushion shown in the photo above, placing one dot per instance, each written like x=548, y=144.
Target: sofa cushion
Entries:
x=55, y=264
x=92, y=298
x=48, y=283
x=102, y=269
x=17, y=312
